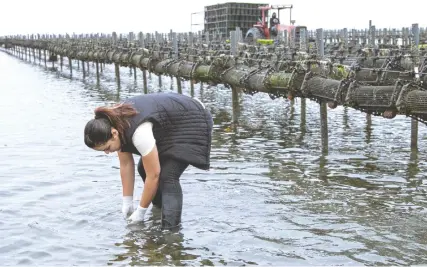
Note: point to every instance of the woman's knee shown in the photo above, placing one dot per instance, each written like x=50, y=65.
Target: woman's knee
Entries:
x=172, y=187
x=170, y=175
x=171, y=170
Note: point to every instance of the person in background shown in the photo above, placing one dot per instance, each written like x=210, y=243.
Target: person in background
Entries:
x=170, y=131
x=274, y=21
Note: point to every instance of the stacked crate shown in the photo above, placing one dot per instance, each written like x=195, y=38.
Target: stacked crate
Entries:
x=223, y=18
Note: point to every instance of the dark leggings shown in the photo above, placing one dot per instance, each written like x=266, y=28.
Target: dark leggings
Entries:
x=169, y=192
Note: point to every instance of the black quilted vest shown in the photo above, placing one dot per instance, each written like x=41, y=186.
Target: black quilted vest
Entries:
x=181, y=126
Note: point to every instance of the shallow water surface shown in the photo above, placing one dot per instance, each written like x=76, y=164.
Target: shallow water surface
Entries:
x=271, y=197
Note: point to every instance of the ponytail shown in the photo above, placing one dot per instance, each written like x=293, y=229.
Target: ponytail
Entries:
x=98, y=130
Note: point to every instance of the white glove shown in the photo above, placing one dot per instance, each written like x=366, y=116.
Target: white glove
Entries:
x=127, y=207
x=138, y=214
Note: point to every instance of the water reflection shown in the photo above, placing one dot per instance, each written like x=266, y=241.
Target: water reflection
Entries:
x=368, y=129
x=236, y=103
x=153, y=249
x=105, y=93
x=413, y=169
x=303, y=122
x=345, y=119
x=148, y=245
x=323, y=168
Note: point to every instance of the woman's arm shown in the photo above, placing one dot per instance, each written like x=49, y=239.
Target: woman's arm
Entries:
x=127, y=172
x=152, y=169
x=143, y=140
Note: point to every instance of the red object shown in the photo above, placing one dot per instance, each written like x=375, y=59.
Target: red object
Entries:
x=263, y=25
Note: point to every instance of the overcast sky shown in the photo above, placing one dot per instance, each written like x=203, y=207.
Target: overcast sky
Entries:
x=123, y=16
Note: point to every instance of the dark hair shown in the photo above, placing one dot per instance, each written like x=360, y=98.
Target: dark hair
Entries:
x=98, y=130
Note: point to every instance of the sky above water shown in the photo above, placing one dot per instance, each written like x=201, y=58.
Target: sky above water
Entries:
x=95, y=16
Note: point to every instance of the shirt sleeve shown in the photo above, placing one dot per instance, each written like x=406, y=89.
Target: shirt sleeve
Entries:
x=143, y=138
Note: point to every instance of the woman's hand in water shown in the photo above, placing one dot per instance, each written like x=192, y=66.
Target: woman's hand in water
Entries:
x=138, y=214
x=127, y=207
